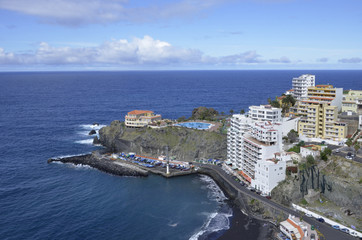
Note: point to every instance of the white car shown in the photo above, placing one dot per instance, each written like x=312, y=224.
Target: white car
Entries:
x=308, y=215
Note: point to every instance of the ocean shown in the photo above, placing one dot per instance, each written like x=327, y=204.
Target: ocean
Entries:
x=49, y=114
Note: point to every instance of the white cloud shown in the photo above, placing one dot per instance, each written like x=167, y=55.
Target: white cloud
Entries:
x=139, y=52
x=280, y=60
x=246, y=57
x=350, y=60
x=70, y=12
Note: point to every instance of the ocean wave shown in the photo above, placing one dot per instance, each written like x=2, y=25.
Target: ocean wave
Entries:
x=85, y=141
x=70, y=155
x=215, y=222
x=214, y=193
x=92, y=126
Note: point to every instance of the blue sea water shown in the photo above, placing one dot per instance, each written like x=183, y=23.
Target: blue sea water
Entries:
x=49, y=114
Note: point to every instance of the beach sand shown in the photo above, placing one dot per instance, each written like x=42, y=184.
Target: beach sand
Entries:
x=241, y=224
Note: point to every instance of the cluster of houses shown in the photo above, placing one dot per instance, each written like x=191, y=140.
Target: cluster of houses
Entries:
x=254, y=141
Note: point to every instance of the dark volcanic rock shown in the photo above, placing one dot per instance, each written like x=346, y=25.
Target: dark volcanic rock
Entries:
x=104, y=165
x=92, y=132
x=96, y=140
x=184, y=144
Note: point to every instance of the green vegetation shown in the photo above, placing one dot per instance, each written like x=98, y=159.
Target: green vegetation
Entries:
x=274, y=103
x=181, y=119
x=296, y=148
x=360, y=181
x=287, y=102
x=231, y=111
x=325, y=153
x=303, y=201
x=302, y=166
x=242, y=111
x=204, y=113
x=292, y=136
x=356, y=146
x=310, y=160
x=349, y=142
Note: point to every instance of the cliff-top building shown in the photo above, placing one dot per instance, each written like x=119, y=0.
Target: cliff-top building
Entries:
x=141, y=118
x=301, y=84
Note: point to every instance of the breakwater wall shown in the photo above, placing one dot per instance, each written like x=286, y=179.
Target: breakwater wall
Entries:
x=102, y=164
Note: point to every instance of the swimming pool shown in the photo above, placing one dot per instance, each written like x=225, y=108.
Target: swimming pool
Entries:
x=195, y=125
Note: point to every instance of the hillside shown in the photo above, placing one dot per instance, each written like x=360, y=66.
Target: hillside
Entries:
x=183, y=144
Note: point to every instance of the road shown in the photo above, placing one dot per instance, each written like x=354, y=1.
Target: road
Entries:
x=342, y=151
x=328, y=233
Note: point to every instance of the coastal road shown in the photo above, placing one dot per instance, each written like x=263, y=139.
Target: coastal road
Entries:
x=326, y=230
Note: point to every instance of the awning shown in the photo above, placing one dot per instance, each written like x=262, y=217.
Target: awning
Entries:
x=228, y=162
x=234, y=168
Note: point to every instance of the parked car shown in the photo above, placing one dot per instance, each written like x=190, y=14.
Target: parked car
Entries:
x=258, y=192
x=345, y=230
x=308, y=215
x=337, y=151
x=336, y=227
x=321, y=220
x=312, y=227
x=251, y=188
x=268, y=197
x=263, y=194
x=312, y=236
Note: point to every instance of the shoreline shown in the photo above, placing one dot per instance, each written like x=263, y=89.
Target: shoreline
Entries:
x=239, y=211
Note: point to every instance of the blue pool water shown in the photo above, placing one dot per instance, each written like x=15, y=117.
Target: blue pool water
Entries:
x=195, y=125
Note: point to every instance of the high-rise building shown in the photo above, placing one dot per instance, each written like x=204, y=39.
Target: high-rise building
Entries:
x=300, y=85
x=319, y=114
x=252, y=147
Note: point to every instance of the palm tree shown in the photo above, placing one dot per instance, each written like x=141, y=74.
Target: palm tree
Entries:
x=231, y=111
x=356, y=147
x=349, y=142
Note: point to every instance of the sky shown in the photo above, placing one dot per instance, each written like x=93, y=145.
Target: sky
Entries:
x=41, y=35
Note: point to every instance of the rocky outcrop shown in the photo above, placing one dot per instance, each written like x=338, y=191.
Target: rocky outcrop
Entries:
x=96, y=140
x=102, y=164
x=92, y=132
x=338, y=181
x=183, y=144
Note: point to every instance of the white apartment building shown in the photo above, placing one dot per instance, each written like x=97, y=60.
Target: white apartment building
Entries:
x=265, y=113
x=254, y=148
x=260, y=143
x=301, y=84
x=268, y=173
x=239, y=125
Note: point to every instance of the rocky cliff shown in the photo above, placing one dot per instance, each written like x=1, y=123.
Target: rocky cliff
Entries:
x=184, y=144
x=337, y=181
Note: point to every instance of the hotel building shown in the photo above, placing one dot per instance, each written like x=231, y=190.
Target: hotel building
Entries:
x=301, y=84
x=239, y=125
x=252, y=147
x=140, y=118
x=319, y=114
